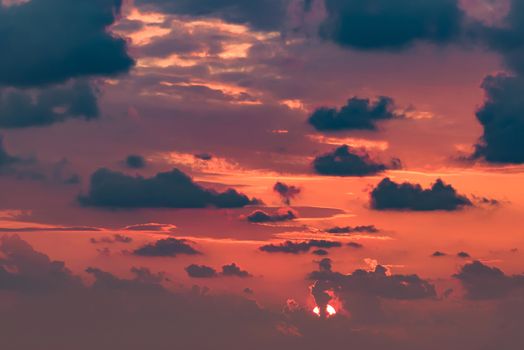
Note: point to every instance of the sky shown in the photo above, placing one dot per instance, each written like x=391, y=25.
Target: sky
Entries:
x=285, y=174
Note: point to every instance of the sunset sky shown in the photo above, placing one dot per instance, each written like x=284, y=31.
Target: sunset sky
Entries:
x=262, y=174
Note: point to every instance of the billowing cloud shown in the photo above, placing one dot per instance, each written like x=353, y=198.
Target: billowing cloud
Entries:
x=135, y=161
x=52, y=41
x=259, y=216
x=260, y=14
x=389, y=195
x=23, y=108
x=348, y=161
x=168, y=247
x=24, y=270
x=290, y=247
x=508, y=38
x=286, y=192
x=172, y=189
x=357, y=114
x=484, y=282
x=502, y=117
x=391, y=25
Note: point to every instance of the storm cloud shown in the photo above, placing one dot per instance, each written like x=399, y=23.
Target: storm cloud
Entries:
x=172, y=189
x=389, y=195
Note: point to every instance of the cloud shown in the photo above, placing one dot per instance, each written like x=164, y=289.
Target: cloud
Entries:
x=172, y=189
x=232, y=270
x=24, y=270
x=361, y=292
x=259, y=216
x=508, y=39
x=389, y=195
x=463, y=255
x=357, y=114
x=355, y=229
x=154, y=227
x=438, y=254
x=286, y=192
x=23, y=109
x=290, y=247
x=117, y=238
x=502, y=117
x=201, y=271
x=484, y=282
x=391, y=25
x=5, y=158
x=51, y=41
x=320, y=252
x=355, y=245
x=260, y=14
x=169, y=247
x=135, y=161
x=348, y=161
x=204, y=156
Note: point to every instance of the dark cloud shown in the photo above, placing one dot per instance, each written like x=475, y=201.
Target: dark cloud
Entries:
x=172, y=189
x=348, y=161
x=151, y=227
x=286, y=192
x=502, y=117
x=169, y=247
x=484, y=282
x=355, y=245
x=5, y=158
x=23, y=108
x=259, y=216
x=355, y=229
x=438, y=254
x=391, y=25
x=117, y=238
x=260, y=14
x=389, y=195
x=135, y=161
x=24, y=270
x=463, y=255
x=361, y=291
x=204, y=156
x=508, y=39
x=51, y=41
x=232, y=270
x=357, y=114
x=320, y=252
x=201, y=271
x=290, y=247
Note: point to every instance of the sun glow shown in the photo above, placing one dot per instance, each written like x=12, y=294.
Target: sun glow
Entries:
x=330, y=311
